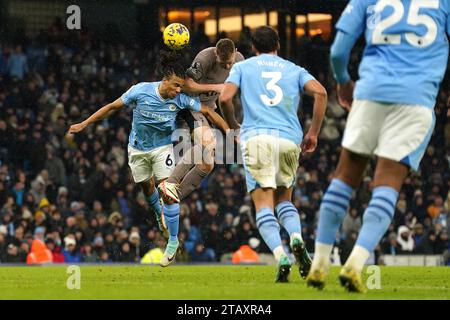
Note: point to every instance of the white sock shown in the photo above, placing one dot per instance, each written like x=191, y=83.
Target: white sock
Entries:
x=296, y=235
x=322, y=254
x=357, y=258
x=278, y=252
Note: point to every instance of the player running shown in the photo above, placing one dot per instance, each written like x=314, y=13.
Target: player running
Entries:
x=391, y=116
x=270, y=139
x=205, y=77
x=150, y=151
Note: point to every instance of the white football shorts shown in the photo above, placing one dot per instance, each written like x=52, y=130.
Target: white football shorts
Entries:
x=269, y=162
x=158, y=162
x=394, y=131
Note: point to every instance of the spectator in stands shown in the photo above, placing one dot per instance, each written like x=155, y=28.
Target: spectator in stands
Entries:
x=39, y=253
x=88, y=255
x=418, y=235
x=17, y=65
x=70, y=252
x=201, y=254
x=390, y=245
x=13, y=254
x=58, y=256
x=404, y=239
x=436, y=208
x=351, y=223
x=428, y=245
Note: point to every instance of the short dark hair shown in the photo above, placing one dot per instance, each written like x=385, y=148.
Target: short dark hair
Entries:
x=225, y=47
x=171, y=63
x=265, y=39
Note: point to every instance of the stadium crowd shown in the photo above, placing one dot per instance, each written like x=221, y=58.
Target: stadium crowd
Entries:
x=75, y=194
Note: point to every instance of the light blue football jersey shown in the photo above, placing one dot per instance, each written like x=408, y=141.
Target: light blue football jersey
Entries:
x=153, y=116
x=406, y=48
x=270, y=95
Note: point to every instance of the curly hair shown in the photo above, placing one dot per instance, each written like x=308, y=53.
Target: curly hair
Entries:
x=171, y=63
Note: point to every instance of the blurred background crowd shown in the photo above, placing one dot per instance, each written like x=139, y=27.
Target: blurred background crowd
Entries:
x=75, y=194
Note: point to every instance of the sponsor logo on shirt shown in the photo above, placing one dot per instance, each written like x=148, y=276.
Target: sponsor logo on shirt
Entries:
x=195, y=67
x=156, y=116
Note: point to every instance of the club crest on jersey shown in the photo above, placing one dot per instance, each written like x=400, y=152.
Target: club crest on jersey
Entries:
x=172, y=107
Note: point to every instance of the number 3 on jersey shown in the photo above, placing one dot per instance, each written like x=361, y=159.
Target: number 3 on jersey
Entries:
x=414, y=19
x=272, y=87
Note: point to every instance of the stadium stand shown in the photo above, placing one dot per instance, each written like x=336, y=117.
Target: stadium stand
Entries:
x=79, y=188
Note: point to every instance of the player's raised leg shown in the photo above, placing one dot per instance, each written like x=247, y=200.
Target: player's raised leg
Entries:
x=194, y=166
x=333, y=208
x=204, y=143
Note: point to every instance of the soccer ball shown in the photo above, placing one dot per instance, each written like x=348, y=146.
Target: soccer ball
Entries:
x=176, y=36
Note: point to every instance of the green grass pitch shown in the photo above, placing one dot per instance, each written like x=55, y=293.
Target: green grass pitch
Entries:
x=210, y=282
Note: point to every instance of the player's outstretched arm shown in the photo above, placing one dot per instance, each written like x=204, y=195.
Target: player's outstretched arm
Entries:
x=215, y=118
x=226, y=104
x=314, y=89
x=192, y=87
x=103, y=113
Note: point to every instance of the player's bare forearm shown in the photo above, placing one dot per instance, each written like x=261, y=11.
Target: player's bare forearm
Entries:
x=228, y=113
x=215, y=118
x=102, y=113
x=192, y=87
x=320, y=105
x=226, y=104
x=318, y=92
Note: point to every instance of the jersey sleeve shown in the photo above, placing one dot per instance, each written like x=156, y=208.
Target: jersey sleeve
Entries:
x=235, y=75
x=130, y=96
x=199, y=67
x=352, y=20
x=304, y=77
x=448, y=19
x=239, y=57
x=187, y=102
x=340, y=55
